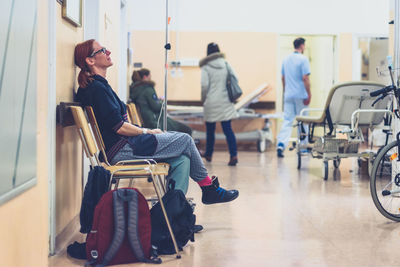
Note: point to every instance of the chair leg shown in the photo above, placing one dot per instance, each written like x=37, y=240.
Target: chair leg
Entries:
x=116, y=183
x=130, y=182
x=165, y=216
x=162, y=184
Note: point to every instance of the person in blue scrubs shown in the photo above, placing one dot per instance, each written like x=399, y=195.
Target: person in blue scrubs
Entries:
x=296, y=88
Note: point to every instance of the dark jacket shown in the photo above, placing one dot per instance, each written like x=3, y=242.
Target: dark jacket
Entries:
x=145, y=97
x=110, y=113
x=96, y=186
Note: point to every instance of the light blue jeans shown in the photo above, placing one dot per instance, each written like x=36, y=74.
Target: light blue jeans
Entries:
x=291, y=109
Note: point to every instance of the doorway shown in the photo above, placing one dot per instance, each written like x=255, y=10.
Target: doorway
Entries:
x=370, y=59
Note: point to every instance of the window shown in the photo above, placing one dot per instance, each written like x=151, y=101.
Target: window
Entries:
x=17, y=97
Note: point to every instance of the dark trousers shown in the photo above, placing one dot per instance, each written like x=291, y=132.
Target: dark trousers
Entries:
x=229, y=135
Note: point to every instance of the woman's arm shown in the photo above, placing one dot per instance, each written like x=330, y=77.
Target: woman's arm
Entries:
x=128, y=129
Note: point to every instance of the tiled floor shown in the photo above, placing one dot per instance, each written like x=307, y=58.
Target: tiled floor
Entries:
x=286, y=217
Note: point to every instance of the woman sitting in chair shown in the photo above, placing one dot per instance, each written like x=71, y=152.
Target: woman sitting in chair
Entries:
x=143, y=94
x=125, y=141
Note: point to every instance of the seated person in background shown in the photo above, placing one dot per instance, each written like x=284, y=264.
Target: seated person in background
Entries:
x=125, y=141
x=143, y=94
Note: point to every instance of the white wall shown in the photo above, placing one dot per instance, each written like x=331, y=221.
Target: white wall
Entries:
x=284, y=16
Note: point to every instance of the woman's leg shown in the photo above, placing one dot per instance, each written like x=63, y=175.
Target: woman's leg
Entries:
x=210, y=126
x=170, y=145
x=175, y=144
x=179, y=170
x=230, y=137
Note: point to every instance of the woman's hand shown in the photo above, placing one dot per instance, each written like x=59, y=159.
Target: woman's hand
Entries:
x=154, y=131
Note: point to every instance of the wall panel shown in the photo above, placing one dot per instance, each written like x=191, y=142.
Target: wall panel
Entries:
x=24, y=220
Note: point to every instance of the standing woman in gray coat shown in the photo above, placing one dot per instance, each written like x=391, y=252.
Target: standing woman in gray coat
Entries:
x=216, y=103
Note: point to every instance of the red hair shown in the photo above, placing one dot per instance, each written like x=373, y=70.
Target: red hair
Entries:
x=82, y=51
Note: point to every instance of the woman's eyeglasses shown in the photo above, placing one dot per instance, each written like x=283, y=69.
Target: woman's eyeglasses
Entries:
x=102, y=50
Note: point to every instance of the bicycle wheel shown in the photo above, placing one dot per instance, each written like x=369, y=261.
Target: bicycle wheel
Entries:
x=385, y=182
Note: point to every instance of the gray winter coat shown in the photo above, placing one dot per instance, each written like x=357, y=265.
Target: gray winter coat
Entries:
x=216, y=103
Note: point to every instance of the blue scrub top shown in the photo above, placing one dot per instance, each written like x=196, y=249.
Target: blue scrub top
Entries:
x=294, y=67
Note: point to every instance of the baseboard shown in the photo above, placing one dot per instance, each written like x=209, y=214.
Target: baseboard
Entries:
x=68, y=235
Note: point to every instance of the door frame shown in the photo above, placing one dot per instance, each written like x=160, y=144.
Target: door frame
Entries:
x=51, y=121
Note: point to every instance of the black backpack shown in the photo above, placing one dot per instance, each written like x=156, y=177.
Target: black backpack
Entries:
x=181, y=218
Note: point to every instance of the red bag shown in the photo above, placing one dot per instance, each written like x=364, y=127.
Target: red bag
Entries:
x=121, y=231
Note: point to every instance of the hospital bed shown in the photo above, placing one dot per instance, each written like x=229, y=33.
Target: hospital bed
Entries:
x=194, y=115
x=347, y=110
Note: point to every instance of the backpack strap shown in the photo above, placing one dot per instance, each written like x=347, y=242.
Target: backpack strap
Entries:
x=130, y=196
x=133, y=229
x=119, y=228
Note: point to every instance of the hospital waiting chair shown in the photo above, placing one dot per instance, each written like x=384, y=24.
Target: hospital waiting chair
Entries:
x=100, y=144
x=122, y=170
x=134, y=118
x=133, y=114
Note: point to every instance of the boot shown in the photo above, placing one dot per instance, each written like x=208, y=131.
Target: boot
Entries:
x=197, y=228
x=208, y=158
x=213, y=194
x=233, y=161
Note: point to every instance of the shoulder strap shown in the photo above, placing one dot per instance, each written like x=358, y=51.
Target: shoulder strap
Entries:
x=133, y=229
x=121, y=196
x=119, y=228
x=133, y=226
x=227, y=69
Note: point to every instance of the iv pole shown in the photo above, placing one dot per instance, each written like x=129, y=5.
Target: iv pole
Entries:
x=395, y=124
x=167, y=47
x=396, y=39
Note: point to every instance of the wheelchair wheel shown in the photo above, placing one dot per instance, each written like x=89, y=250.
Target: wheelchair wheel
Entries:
x=359, y=162
x=385, y=182
x=298, y=160
x=261, y=145
x=325, y=170
x=336, y=163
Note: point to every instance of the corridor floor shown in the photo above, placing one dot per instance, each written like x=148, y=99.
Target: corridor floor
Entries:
x=286, y=217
